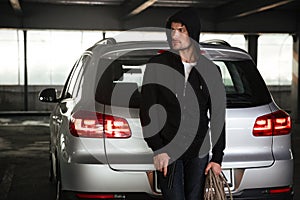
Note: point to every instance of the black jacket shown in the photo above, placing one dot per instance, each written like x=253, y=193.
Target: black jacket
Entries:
x=184, y=115
x=179, y=126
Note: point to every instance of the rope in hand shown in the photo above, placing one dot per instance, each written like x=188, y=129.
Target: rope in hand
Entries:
x=214, y=187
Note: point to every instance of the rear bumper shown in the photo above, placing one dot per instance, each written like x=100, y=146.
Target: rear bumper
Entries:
x=253, y=183
x=101, y=178
x=278, y=175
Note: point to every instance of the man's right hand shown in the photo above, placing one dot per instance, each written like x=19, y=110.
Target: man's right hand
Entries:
x=161, y=162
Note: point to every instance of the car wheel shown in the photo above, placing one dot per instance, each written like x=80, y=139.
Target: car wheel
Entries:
x=51, y=174
x=56, y=178
x=58, y=190
x=60, y=194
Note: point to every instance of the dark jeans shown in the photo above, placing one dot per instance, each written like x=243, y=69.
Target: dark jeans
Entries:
x=188, y=182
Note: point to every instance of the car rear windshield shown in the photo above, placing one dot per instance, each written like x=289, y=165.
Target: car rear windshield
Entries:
x=122, y=78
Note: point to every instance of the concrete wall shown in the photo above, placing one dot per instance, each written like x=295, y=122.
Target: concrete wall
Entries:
x=295, y=90
x=12, y=98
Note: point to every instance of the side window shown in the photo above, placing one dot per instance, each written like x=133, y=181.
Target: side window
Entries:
x=63, y=94
x=73, y=81
x=79, y=77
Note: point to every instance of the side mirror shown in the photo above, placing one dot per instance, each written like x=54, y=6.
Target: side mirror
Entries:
x=48, y=95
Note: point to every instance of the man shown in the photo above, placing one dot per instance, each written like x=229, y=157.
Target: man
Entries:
x=178, y=133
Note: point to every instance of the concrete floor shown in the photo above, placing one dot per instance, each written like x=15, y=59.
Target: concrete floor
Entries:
x=24, y=163
x=24, y=160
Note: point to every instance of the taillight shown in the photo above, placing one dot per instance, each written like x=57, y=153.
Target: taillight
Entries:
x=280, y=190
x=100, y=196
x=273, y=124
x=96, y=196
x=97, y=125
x=161, y=51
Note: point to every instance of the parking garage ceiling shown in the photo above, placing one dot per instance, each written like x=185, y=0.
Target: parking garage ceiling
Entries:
x=239, y=16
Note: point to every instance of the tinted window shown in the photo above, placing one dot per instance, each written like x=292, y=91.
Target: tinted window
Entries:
x=243, y=83
x=120, y=83
x=123, y=78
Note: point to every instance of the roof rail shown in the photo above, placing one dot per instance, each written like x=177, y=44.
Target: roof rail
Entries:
x=107, y=41
x=217, y=41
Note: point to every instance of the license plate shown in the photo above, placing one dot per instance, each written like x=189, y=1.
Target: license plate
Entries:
x=228, y=175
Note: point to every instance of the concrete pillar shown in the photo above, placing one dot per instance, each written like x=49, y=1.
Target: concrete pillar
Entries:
x=25, y=72
x=295, y=79
x=251, y=45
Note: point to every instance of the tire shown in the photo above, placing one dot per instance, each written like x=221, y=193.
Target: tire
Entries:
x=60, y=194
x=51, y=173
x=56, y=178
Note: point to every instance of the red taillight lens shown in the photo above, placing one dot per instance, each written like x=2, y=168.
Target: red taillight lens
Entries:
x=276, y=123
x=161, y=51
x=95, y=125
x=96, y=196
x=280, y=190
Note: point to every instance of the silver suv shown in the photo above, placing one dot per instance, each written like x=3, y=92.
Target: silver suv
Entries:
x=97, y=147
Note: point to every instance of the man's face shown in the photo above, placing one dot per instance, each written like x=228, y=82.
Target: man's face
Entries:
x=180, y=36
